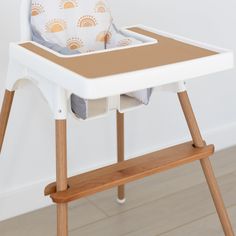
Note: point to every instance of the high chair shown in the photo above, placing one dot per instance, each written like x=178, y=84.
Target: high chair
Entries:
x=164, y=61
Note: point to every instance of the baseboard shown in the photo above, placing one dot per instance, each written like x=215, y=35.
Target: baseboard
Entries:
x=222, y=137
x=30, y=198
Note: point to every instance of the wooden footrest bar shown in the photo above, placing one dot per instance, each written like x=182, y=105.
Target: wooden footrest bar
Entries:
x=117, y=174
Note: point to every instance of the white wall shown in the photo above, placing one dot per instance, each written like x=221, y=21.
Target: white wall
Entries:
x=27, y=160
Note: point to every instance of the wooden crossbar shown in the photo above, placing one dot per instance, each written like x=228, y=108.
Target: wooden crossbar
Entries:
x=117, y=174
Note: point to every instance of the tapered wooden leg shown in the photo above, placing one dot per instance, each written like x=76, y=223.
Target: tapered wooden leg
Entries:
x=61, y=176
x=206, y=164
x=120, y=151
x=5, y=112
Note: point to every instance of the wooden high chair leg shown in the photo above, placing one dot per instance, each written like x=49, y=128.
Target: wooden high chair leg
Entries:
x=120, y=151
x=5, y=112
x=206, y=164
x=61, y=176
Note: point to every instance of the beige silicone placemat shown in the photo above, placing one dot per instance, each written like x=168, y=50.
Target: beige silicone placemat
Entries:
x=92, y=66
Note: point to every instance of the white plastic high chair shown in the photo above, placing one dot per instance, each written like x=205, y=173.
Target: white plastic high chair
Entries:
x=163, y=61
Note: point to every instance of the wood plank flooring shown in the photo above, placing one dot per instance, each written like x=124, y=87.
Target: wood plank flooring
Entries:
x=172, y=203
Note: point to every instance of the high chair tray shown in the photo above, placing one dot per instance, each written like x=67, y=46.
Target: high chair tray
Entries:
x=101, y=74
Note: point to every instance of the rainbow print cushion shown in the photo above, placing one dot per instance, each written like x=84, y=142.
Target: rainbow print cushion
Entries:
x=83, y=25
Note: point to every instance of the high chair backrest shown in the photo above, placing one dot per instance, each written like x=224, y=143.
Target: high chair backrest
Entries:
x=84, y=38
x=25, y=10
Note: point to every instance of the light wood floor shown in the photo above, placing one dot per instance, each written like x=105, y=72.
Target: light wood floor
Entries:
x=174, y=203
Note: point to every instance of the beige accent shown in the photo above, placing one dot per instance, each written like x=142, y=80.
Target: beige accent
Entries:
x=97, y=107
x=168, y=51
x=100, y=7
x=87, y=21
x=67, y=4
x=36, y=9
x=74, y=43
x=56, y=25
x=127, y=102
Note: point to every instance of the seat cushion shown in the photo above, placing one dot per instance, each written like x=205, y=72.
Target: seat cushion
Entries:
x=76, y=24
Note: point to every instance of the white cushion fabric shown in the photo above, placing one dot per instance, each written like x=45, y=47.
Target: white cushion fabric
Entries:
x=83, y=25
